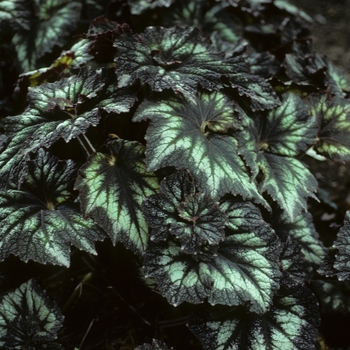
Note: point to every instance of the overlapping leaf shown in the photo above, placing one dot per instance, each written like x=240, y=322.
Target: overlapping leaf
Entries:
x=243, y=268
x=296, y=269
x=291, y=323
x=193, y=134
x=15, y=14
x=342, y=243
x=268, y=143
x=156, y=345
x=288, y=182
x=334, y=126
x=307, y=68
x=224, y=29
x=64, y=109
x=112, y=187
x=38, y=223
x=29, y=319
x=139, y=6
x=194, y=218
x=333, y=295
x=288, y=129
x=179, y=58
x=50, y=22
x=303, y=231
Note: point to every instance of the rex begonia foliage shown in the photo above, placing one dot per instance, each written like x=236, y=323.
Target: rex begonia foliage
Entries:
x=181, y=131
x=195, y=257
x=40, y=221
x=29, y=319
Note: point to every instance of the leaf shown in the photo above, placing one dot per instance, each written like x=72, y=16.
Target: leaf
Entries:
x=37, y=222
x=296, y=270
x=179, y=210
x=338, y=76
x=334, y=126
x=112, y=187
x=42, y=75
x=29, y=319
x=156, y=345
x=287, y=181
x=333, y=296
x=15, y=14
x=137, y=7
x=342, y=243
x=301, y=230
x=64, y=109
x=288, y=129
x=180, y=58
x=291, y=323
x=101, y=36
x=263, y=64
x=51, y=22
x=193, y=134
x=292, y=9
x=217, y=22
x=244, y=268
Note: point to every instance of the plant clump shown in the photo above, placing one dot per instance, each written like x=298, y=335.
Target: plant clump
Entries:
x=155, y=179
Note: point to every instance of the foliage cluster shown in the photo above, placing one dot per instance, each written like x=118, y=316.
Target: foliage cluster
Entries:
x=153, y=174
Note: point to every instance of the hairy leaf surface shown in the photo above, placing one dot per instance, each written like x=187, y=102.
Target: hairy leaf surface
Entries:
x=15, y=14
x=112, y=187
x=333, y=295
x=156, y=345
x=287, y=181
x=38, y=223
x=334, y=126
x=29, y=319
x=244, y=267
x=194, y=218
x=224, y=29
x=291, y=323
x=288, y=129
x=179, y=58
x=342, y=243
x=193, y=134
x=303, y=231
x=139, y=6
x=64, y=109
x=51, y=21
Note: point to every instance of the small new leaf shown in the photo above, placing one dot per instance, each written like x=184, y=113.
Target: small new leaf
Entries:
x=112, y=187
x=29, y=319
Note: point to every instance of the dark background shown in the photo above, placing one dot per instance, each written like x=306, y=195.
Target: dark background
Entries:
x=331, y=28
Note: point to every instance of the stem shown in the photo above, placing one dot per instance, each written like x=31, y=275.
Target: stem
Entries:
x=86, y=144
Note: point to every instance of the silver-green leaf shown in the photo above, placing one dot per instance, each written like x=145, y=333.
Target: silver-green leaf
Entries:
x=112, y=187
x=38, y=222
x=29, y=319
x=195, y=134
